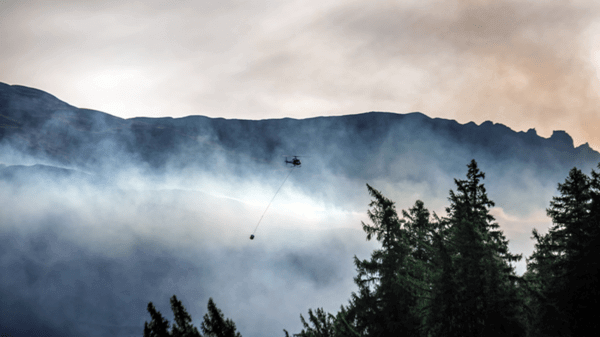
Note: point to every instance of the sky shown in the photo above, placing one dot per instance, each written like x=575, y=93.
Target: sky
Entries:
x=525, y=64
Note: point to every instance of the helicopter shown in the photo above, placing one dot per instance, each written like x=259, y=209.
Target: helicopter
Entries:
x=295, y=161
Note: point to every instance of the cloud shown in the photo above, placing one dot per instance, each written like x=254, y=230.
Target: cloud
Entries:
x=523, y=64
x=83, y=259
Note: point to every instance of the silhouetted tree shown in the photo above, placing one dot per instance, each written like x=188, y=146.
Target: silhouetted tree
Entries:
x=478, y=279
x=384, y=304
x=158, y=326
x=323, y=324
x=345, y=323
x=420, y=263
x=595, y=203
x=183, y=321
x=587, y=275
x=215, y=325
x=564, y=266
x=441, y=315
x=582, y=285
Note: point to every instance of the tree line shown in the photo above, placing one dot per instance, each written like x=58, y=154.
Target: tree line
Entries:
x=453, y=275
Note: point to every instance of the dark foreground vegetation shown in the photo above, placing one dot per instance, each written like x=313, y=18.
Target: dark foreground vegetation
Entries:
x=452, y=276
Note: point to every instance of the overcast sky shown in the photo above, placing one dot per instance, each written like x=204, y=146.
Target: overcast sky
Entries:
x=526, y=64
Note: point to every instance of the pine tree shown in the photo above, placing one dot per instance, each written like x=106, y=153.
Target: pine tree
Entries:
x=581, y=291
x=441, y=319
x=420, y=263
x=158, y=326
x=390, y=283
x=564, y=265
x=536, y=279
x=570, y=217
x=547, y=319
x=183, y=321
x=384, y=304
x=215, y=325
x=345, y=324
x=595, y=203
x=323, y=325
x=478, y=275
x=419, y=232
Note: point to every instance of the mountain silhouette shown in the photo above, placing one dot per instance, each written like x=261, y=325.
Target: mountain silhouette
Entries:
x=362, y=146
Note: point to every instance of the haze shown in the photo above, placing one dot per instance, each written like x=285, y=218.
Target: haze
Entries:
x=526, y=64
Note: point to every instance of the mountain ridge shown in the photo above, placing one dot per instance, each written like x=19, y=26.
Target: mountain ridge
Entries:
x=364, y=145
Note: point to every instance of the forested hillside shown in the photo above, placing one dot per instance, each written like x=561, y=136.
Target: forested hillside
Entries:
x=452, y=275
